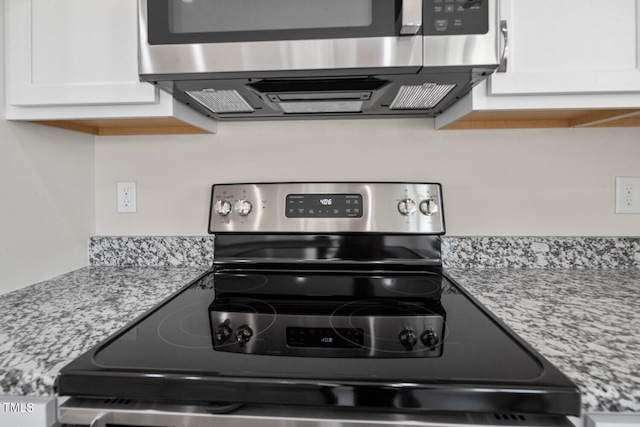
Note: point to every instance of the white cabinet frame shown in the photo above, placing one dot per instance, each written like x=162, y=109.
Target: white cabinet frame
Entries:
x=24, y=91
x=579, y=72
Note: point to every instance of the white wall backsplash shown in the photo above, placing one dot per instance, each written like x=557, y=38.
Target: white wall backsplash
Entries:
x=47, y=202
x=46, y=198
x=543, y=182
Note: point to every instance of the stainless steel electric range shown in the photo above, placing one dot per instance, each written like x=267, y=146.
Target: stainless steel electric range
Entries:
x=326, y=305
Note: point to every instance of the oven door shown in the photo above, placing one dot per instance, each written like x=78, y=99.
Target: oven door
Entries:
x=190, y=36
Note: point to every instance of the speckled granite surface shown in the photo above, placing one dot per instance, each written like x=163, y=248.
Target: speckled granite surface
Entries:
x=586, y=322
x=541, y=252
x=151, y=251
x=44, y=326
x=457, y=252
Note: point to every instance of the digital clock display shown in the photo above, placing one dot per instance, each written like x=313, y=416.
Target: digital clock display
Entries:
x=323, y=206
x=325, y=337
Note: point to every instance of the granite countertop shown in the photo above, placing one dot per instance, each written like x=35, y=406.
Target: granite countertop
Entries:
x=46, y=325
x=585, y=321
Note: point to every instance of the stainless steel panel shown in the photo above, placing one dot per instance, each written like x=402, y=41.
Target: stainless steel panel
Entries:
x=368, y=52
x=371, y=52
x=146, y=414
x=381, y=213
x=466, y=50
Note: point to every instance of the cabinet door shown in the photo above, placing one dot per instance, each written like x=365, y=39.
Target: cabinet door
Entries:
x=570, y=47
x=73, y=52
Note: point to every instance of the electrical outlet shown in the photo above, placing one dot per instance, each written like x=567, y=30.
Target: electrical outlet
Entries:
x=126, y=197
x=627, y=194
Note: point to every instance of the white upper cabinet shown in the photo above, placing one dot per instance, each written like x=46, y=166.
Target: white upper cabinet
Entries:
x=77, y=52
x=569, y=46
x=78, y=59
x=561, y=55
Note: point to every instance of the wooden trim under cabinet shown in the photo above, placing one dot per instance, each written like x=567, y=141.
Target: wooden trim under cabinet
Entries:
x=530, y=119
x=525, y=119
x=118, y=127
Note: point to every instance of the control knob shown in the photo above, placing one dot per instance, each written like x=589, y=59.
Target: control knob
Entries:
x=223, y=332
x=243, y=334
x=429, y=206
x=408, y=339
x=243, y=207
x=407, y=207
x=430, y=339
x=222, y=207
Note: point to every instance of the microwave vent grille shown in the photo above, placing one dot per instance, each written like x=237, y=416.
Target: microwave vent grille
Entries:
x=420, y=97
x=221, y=101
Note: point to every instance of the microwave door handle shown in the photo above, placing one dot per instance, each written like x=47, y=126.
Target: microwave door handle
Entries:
x=411, y=17
x=504, y=31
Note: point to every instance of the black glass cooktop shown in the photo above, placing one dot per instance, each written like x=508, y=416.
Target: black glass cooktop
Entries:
x=475, y=364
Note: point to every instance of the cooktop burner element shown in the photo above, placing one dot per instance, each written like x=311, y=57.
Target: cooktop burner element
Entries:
x=181, y=328
x=325, y=295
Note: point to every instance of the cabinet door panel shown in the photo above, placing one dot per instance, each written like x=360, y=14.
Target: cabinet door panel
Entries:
x=564, y=46
x=73, y=52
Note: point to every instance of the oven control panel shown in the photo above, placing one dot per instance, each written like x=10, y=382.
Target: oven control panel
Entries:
x=327, y=207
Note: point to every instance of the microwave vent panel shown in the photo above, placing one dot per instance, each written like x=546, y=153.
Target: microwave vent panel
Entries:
x=221, y=101
x=322, y=107
x=420, y=97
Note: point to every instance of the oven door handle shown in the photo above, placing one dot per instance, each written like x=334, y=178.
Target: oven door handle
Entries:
x=102, y=419
x=411, y=17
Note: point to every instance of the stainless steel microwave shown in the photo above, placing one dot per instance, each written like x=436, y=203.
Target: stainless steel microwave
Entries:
x=262, y=59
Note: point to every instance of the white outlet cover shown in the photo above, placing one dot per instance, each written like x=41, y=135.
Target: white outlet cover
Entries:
x=627, y=194
x=127, y=197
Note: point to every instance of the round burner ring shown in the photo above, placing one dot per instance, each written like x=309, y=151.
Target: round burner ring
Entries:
x=192, y=330
x=194, y=327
